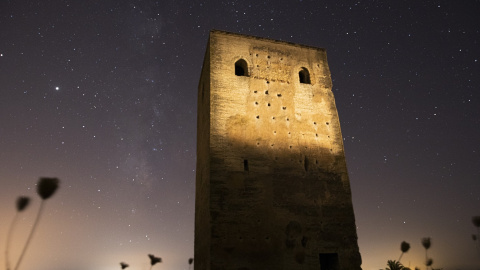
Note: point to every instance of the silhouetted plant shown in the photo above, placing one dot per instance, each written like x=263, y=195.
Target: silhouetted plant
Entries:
x=426, y=243
x=476, y=221
x=46, y=187
x=154, y=260
x=190, y=261
x=21, y=204
x=394, y=265
x=124, y=265
x=475, y=237
x=429, y=262
x=404, y=247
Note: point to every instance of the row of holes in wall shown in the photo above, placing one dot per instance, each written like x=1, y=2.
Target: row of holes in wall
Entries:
x=283, y=108
x=241, y=69
x=305, y=161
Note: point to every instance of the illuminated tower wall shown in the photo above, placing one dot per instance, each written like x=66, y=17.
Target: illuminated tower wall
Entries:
x=272, y=189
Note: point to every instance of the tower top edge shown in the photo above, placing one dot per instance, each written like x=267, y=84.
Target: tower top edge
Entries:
x=225, y=33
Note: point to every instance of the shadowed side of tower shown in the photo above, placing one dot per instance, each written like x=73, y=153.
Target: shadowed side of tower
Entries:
x=272, y=189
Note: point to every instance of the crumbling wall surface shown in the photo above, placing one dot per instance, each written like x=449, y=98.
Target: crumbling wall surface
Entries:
x=278, y=189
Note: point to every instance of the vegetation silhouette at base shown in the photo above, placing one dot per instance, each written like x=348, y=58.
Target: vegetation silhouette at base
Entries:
x=154, y=260
x=46, y=188
x=404, y=247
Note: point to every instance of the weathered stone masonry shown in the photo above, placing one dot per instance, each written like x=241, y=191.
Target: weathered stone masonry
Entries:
x=272, y=189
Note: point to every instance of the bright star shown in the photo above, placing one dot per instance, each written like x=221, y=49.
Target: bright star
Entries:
x=57, y=88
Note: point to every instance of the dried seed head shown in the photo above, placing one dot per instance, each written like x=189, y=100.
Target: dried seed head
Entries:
x=404, y=247
x=190, y=261
x=426, y=242
x=22, y=203
x=429, y=262
x=154, y=260
x=476, y=221
x=46, y=187
x=123, y=265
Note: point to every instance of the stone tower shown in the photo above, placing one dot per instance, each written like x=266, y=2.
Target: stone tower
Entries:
x=272, y=189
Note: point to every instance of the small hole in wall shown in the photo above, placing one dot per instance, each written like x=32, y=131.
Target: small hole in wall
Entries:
x=268, y=56
x=290, y=147
x=273, y=118
x=279, y=95
x=256, y=103
x=245, y=165
x=281, y=58
x=256, y=54
x=258, y=65
x=328, y=136
x=284, y=108
x=268, y=104
x=288, y=119
x=314, y=123
x=255, y=91
x=327, y=123
x=331, y=149
x=289, y=133
x=272, y=145
x=258, y=116
x=258, y=143
x=274, y=132
x=266, y=92
x=316, y=135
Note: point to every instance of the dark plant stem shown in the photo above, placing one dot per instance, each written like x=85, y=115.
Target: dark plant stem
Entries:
x=40, y=210
x=9, y=236
x=400, y=257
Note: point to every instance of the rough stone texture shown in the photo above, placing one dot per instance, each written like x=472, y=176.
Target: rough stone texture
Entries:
x=272, y=188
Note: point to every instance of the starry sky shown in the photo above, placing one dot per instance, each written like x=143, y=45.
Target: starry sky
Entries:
x=102, y=94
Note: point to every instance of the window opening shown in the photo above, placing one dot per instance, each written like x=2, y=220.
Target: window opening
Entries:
x=245, y=165
x=241, y=68
x=304, y=76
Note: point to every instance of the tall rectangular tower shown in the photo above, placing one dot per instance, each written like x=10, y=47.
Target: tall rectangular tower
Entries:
x=272, y=189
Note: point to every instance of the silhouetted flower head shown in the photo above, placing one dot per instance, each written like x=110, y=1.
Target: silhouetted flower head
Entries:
x=476, y=221
x=190, y=261
x=404, y=247
x=123, y=265
x=154, y=260
x=22, y=203
x=426, y=242
x=46, y=187
x=429, y=262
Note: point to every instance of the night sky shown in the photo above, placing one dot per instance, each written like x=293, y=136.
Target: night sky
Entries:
x=103, y=94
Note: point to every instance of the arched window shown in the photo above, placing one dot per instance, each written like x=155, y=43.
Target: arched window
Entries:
x=304, y=76
x=241, y=68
